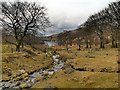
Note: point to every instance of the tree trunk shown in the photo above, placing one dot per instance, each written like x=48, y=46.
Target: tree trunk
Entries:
x=101, y=43
x=87, y=44
x=79, y=46
x=22, y=45
x=113, y=42
x=116, y=45
x=18, y=48
x=90, y=44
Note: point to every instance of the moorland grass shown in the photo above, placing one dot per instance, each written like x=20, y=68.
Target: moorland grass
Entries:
x=101, y=69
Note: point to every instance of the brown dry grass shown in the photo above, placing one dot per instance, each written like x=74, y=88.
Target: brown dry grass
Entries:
x=105, y=59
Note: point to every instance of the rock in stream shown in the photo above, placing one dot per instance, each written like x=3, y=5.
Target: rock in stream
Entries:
x=35, y=77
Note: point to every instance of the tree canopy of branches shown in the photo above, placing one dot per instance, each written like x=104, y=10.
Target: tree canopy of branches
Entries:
x=22, y=18
x=107, y=20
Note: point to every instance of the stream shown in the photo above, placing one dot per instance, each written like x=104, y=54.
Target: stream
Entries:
x=58, y=64
x=51, y=43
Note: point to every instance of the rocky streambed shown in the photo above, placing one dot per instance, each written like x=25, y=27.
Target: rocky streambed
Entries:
x=30, y=80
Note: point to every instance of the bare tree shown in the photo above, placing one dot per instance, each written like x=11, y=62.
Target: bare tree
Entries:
x=22, y=18
x=113, y=21
x=96, y=21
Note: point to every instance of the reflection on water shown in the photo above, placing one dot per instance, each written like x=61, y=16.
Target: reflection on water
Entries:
x=50, y=43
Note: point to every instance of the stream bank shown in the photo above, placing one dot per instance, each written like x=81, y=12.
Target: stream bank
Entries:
x=35, y=77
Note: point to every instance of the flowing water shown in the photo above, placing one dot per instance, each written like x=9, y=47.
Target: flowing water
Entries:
x=58, y=64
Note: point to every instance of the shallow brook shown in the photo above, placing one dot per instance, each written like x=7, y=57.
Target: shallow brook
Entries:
x=58, y=64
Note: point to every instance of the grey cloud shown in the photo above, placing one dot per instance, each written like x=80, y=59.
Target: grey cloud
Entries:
x=68, y=14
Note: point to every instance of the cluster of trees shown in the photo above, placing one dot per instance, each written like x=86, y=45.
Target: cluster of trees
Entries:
x=65, y=38
x=106, y=21
x=21, y=19
x=100, y=27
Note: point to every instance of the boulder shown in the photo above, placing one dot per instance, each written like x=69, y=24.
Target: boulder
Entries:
x=74, y=79
x=104, y=70
x=90, y=56
x=69, y=71
x=90, y=51
x=68, y=65
x=70, y=62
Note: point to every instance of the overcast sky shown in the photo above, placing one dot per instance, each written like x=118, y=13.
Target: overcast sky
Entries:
x=68, y=14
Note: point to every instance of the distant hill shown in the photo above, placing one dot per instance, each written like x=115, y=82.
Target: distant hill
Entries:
x=56, y=35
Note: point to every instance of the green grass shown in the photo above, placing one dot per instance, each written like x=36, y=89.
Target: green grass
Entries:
x=104, y=59
x=23, y=61
x=82, y=80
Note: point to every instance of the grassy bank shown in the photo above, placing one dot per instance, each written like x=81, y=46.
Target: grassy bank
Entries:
x=81, y=79
x=93, y=68
x=16, y=63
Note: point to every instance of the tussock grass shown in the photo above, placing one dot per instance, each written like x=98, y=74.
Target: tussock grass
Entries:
x=13, y=62
x=81, y=80
x=101, y=70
